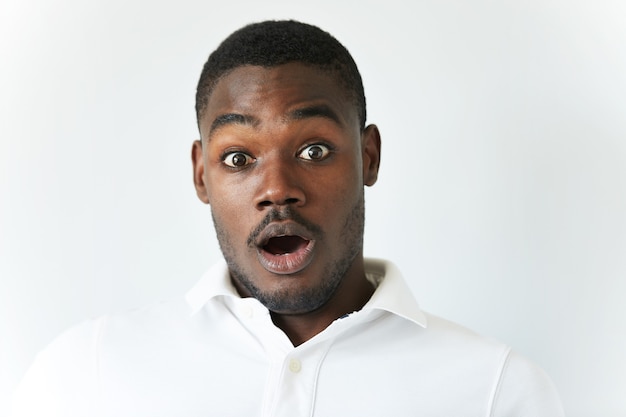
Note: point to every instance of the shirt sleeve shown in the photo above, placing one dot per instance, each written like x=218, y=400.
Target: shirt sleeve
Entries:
x=62, y=381
x=525, y=390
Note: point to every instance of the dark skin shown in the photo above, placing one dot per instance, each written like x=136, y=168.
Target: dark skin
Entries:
x=287, y=139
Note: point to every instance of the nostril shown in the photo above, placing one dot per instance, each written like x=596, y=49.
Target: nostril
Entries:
x=287, y=201
x=279, y=190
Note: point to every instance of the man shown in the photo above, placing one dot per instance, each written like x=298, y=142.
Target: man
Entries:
x=295, y=322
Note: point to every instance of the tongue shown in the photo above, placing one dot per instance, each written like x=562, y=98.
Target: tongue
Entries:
x=285, y=244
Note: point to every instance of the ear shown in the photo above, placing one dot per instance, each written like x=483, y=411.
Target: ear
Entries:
x=371, y=154
x=197, y=158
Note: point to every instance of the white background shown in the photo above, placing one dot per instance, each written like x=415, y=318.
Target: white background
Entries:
x=502, y=193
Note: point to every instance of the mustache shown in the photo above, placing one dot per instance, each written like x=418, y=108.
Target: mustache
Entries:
x=288, y=213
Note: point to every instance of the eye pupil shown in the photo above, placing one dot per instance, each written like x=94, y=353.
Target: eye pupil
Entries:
x=239, y=159
x=315, y=152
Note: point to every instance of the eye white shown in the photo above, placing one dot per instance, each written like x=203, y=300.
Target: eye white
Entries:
x=315, y=152
x=237, y=159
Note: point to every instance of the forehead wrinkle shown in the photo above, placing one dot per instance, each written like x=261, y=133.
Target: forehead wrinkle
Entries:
x=232, y=119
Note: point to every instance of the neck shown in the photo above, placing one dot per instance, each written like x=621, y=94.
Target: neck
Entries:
x=351, y=296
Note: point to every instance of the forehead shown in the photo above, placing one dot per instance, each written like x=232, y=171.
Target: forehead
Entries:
x=270, y=93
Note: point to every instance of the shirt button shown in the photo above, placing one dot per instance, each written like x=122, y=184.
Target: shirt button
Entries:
x=295, y=366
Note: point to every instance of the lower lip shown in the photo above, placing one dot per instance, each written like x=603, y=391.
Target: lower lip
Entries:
x=288, y=263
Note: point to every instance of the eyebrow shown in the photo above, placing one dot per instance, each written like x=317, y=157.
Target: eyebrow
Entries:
x=232, y=119
x=320, y=110
x=302, y=113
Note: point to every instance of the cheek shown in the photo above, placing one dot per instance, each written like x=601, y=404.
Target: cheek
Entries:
x=337, y=192
x=228, y=203
x=225, y=189
x=347, y=178
x=228, y=214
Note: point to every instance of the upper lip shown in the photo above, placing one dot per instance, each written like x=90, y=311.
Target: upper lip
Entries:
x=278, y=229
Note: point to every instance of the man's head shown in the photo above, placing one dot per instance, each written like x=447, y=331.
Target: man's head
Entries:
x=283, y=160
x=273, y=43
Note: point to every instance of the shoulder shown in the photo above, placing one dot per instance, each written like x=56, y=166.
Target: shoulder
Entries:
x=525, y=389
x=520, y=387
x=64, y=377
x=441, y=333
x=66, y=368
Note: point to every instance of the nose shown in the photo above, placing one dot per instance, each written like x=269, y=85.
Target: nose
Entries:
x=279, y=185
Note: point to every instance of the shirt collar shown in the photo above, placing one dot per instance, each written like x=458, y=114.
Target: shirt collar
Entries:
x=214, y=283
x=392, y=293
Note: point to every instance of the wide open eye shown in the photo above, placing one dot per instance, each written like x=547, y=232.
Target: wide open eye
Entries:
x=237, y=159
x=316, y=152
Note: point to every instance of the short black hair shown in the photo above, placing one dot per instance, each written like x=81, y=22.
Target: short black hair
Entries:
x=273, y=43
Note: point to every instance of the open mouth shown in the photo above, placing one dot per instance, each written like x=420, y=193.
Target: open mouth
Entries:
x=285, y=248
x=283, y=245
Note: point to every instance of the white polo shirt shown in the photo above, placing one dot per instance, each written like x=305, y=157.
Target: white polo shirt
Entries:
x=213, y=353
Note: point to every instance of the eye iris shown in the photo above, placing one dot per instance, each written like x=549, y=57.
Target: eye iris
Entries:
x=238, y=159
x=315, y=152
